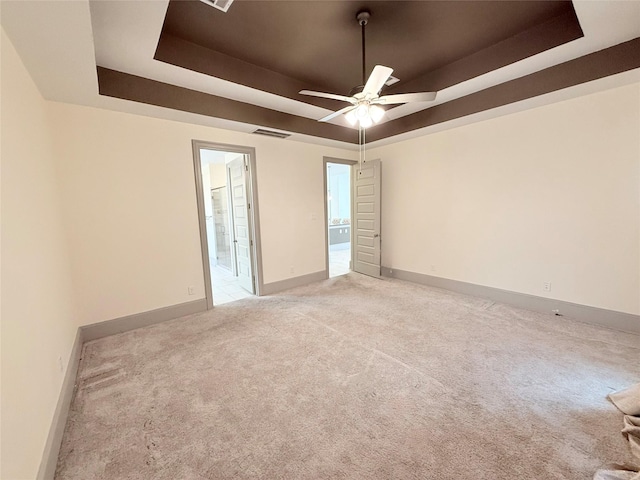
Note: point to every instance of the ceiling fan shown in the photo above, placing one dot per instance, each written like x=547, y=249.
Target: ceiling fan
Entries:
x=365, y=102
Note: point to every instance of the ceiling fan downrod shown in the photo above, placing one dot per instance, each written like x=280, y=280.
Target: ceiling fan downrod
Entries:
x=365, y=100
x=363, y=18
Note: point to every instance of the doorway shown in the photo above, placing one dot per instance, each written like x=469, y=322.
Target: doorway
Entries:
x=226, y=193
x=338, y=208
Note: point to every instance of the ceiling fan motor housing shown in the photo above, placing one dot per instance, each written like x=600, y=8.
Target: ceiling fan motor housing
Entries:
x=363, y=17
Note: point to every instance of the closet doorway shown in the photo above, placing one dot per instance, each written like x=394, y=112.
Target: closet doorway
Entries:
x=227, y=215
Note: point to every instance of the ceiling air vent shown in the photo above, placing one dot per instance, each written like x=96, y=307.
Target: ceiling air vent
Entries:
x=271, y=133
x=219, y=4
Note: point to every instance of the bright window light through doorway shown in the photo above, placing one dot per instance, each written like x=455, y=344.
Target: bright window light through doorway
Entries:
x=339, y=218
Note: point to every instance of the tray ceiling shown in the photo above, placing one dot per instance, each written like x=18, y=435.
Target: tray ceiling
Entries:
x=243, y=69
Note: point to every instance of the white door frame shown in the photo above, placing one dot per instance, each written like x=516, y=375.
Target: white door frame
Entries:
x=254, y=217
x=326, y=208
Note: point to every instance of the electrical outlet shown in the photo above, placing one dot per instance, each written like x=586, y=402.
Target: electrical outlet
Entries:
x=292, y=270
x=433, y=268
x=191, y=290
x=546, y=286
x=60, y=364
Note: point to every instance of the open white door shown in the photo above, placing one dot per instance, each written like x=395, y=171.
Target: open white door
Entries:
x=242, y=241
x=366, y=244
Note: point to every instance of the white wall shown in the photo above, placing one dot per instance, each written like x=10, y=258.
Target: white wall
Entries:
x=206, y=189
x=39, y=320
x=549, y=194
x=218, y=175
x=130, y=209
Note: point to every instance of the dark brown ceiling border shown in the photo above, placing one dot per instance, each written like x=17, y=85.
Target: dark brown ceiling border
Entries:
x=122, y=85
x=540, y=38
x=181, y=53
x=610, y=61
x=552, y=33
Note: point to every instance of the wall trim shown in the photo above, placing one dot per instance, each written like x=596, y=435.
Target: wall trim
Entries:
x=52, y=446
x=275, y=287
x=86, y=333
x=98, y=330
x=253, y=213
x=625, y=322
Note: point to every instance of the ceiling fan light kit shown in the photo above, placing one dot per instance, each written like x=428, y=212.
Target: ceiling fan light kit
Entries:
x=365, y=115
x=364, y=110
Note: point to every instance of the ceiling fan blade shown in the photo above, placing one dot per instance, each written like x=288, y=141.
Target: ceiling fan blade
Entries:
x=338, y=113
x=376, y=80
x=332, y=96
x=406, y=98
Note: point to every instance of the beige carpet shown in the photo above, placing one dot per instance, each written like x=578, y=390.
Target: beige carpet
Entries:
x=352, y=378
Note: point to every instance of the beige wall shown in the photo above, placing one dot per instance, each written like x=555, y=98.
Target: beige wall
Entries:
x=99, y=221
x=39, y=321
x=130, y=208
x=549, y=194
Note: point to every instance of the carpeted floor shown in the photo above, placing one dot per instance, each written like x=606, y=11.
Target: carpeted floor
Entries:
x=352, y=378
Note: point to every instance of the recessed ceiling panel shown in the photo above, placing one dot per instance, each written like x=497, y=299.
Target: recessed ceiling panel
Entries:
x=319, y=42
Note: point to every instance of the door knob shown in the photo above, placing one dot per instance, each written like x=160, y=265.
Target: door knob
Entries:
x=376, y=235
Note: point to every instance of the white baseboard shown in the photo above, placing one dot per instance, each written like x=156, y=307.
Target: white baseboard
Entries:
x=49, y=460
x=625, y=322
x=274, y=287
x=84, y=334
x=138, y=320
